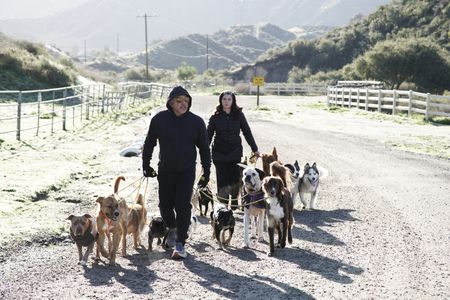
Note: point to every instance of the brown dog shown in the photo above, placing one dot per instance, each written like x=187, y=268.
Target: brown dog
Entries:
x=137, y=219
x=112, y=222
x=278, y=169
x=83, y=230
x=279, y=211
x=267, y=159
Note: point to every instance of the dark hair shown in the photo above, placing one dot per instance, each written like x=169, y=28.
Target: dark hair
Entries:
x=234, y=108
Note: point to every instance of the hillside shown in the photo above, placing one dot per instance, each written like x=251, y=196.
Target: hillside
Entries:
x=407, y=19
x=25, y=65
x=226, y=48
x=99, y=22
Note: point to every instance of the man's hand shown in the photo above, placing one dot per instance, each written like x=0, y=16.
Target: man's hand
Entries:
x=203, y=182
x=148, y=171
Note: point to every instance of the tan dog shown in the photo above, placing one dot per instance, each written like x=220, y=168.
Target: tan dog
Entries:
x=267, y=159
x=112, y=221
x=137, y=219
x=83, y=230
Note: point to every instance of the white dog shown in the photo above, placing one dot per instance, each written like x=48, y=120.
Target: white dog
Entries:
x=256, y=208
x=309, y=184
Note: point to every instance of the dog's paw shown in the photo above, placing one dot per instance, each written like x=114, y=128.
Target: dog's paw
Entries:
x=253, y=237
x=261, y=239
x=82, y=263
x=246, y=245
x=269, y=254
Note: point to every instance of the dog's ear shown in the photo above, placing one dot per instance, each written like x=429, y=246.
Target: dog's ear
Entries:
x=87, y=216
x=307, y=166
x=274, y=153
x=290, y=167
x=261, y=173
x=243, y=166
x=70, y=217
x=100, y=200
x=297, y=165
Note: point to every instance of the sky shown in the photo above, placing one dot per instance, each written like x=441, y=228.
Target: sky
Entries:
x=34, y=8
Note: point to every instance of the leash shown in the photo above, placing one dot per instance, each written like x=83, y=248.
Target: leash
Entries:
x=231, y=205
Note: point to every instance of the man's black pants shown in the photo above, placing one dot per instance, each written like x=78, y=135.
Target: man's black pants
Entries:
x=175, y=193
x=228, y=176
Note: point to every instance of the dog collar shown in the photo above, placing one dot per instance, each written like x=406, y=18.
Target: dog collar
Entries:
x=254, y=199
x=86, y=239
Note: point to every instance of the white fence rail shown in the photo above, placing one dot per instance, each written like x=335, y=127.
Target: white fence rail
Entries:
x=389, y=101
x=42, y=111
x=281, y=88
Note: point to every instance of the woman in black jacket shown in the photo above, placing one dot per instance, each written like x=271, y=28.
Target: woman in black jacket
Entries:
x=225, y=125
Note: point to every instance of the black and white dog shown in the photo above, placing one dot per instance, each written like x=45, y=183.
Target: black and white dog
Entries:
x=294, y=170
x=279, y=212
x=254, y=204
x=309, y=184
x=222, y=219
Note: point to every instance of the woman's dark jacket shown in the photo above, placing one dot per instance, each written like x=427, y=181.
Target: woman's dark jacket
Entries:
x=227, y=145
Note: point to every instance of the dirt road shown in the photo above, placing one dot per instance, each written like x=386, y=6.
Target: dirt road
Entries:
x=382, y=228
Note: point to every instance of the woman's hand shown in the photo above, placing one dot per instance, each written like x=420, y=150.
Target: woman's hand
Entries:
x=257, y=154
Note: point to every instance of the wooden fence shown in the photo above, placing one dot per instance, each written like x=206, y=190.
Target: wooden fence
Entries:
x=392, y=101
x=280, y=88
x=47, y=110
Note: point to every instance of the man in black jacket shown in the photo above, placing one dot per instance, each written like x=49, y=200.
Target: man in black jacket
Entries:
x=178, y=131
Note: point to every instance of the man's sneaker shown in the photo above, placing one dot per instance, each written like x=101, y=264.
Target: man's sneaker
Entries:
x=179, y=252
x=171, y=238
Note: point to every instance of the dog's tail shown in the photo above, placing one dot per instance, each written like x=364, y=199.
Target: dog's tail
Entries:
x=117, y=183
x=141, y=201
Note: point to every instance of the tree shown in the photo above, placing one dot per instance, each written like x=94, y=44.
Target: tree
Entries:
x=418, y=61
x=186, y=72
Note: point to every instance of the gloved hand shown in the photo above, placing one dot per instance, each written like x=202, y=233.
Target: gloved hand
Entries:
x=148, y=171
x=203, y=182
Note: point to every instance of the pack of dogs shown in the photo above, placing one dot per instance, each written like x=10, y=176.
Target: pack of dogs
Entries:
x=267, y=198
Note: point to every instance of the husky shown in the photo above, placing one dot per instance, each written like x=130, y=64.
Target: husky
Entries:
x=308, y=184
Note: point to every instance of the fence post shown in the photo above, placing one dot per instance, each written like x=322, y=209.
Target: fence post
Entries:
x=53, y=111
x=135, y=93
x=19, y=113
x=427, y=107
x=379, y=100
x=328, y=96
x=367, y=100
x=39, y=99
x=81, y=103
x=64, y=108
x=357, y=98
x=410, y=103
x=342, y=97
x=278, y=89
x=394, y=103
x=350, y=94
x=86, y=97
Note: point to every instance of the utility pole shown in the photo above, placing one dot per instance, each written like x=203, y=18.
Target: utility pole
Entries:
x=145, y=16
x=207, y=50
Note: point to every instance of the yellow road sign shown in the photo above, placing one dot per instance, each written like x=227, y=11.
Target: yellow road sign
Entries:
x=258, y=80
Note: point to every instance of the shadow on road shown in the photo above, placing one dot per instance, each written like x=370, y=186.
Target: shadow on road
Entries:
x=236, y=286
x=314, y=220
x=328, y=268
x=138, y=280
